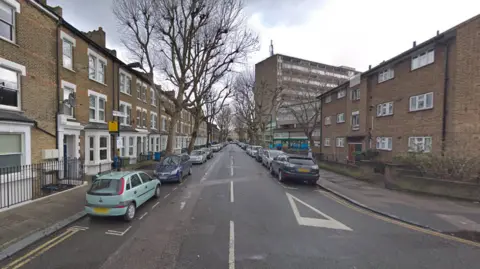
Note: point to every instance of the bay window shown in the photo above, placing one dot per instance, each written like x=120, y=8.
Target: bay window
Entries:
x=7, y=20
x=103, y=148
x=97, y=102
x=9, y=88
x=11, y=150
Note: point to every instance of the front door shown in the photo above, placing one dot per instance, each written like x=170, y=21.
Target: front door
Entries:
x=353, y=149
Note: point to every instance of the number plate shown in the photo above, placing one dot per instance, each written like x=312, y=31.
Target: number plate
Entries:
x=303, y=170
x=100, y=210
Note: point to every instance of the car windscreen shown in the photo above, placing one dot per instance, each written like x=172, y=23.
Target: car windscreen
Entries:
x=301, y=161
x=171, y=160
x=274, y=154
x=196, y=153
x=104, y=186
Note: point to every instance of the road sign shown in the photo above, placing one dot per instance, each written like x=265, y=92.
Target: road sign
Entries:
x=118, y=114
x=113, y=126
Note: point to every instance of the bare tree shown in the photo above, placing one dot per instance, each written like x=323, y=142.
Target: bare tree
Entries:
x=254, y=103
x=223, y=119
x=185, y=40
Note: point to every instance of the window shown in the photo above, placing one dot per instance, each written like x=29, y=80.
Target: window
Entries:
x=355, y=94
x=139, y=91
x=423, y=59
x=135, y=180
x=69, y=110
x=153, y=120
x=421, y=102
x=97, y=106
x=164, y=123
x=384, y=143
x=181, y=128
x=122, y=146
x=144, y=93
x=340, y=142
x=125, y=83
x=139, y=117
x=385, y=75
x=355, y=120
x=385, y=109
x=157, y=148
x=9, y=88
x=178, y=127
x=126, y=109
x=91, y=148
x=328, y=99
x=153, y=98
x=144, y=118
x=96, y=66
x=327, y=120
x=340, y=117
x=11, y=153
x=341, y=94
x=420, y=144
x=130, y=145
x=103, y=148
x=7, y=21
x=67, y=54
x=327, y=142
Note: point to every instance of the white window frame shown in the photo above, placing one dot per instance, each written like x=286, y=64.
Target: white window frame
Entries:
x=355, y=94
x=99, y=60
x=144, y=118
x=355, y=126
x=122, y=148
x=328, y=120
x=125, y=76
x=144, y=92
x=131, y=146
x=341, y=94
x=124, y=121
x=423, y=58
x=90, y=148
x=98, y=96
x=340, y=142
x=73, y=87
x=328, y=99
x=15, y=9
x=414, y=101
x=138, y=117
x=153, y=98
x=153, y=120
x=341, y=118
x=164, y=123
x=139, y=91
x=71, y=40
x=21, y=71
x=385, y=109
x=326, y=143
x=384, y=143
x=104, y=148
x=386, y=74
x=417, y=142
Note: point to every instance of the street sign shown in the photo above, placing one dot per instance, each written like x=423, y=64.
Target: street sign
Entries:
x=118, y=114
x=113, y=126
x=119, y=142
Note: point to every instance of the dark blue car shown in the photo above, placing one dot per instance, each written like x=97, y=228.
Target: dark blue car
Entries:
x=173, y=168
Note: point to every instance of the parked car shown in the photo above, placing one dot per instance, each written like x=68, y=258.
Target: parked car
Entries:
x=173, y=168
x=253, y=150
x=248, y=149
x=215, y=148
x=209, y=152
x=294, y=167
x=258, y=156
x=120, y=193
x=198, y=156
x=268, y=156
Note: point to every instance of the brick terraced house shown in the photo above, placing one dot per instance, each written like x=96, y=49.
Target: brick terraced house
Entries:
x=424, y=99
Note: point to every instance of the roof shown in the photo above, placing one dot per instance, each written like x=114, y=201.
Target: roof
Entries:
x=333, y=89
x=6, y=115
x=115, y=174
x=291, y=155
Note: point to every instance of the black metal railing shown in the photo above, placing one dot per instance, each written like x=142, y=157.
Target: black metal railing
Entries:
x=19, y=184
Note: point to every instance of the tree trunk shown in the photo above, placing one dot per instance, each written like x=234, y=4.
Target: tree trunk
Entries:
x=196, y=125
x=171, y=132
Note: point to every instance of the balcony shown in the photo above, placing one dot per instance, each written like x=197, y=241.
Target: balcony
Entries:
x=356, y=127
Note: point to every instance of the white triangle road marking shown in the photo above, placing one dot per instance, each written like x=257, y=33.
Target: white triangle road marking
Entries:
x=328, y=222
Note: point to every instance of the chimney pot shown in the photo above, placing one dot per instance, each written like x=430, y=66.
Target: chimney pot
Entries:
x=438, y=32
x=369, y=67
x=414, y=43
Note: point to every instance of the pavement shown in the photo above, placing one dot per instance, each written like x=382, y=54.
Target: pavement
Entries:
x=231, y=213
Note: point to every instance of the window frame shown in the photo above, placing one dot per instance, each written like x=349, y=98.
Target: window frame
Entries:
x=138, y=117
x=15, y=8
x=341, y=140
x=423, y=58
x=73, y=87
x=328, y=120
x=341, y=94
x=326, y=142
x=382, y=140
x=100, y=148
x=153, y=120
x=98, y=97
x=416, y=98
x=66, y=41
x=153, y=97
x=423, y=143
x=144, y=118
x=355, y=114
x=342, y=118
x=355, y=94
x=99, y=61
x=126, y=121
x=388, y=107
x=131, y=146
x=19, y=70
x=126, y=76
x=328, y=99
x=386, y=75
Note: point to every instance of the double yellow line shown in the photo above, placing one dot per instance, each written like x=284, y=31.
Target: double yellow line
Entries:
x=399, y=223
x=41, y=249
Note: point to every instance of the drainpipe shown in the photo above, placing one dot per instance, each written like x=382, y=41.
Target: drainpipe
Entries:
x=115, y=136
x=59, y=21
x=445, y=97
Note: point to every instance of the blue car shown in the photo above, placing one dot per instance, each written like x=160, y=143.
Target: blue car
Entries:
x=173, y=168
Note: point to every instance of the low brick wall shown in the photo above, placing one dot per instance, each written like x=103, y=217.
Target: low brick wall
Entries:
x=400, y=178
x=364, y=170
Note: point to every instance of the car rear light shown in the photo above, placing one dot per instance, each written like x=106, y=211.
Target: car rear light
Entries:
x=121, y=187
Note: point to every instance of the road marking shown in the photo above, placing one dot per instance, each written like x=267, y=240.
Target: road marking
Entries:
x=399, y=223
x=182, y=205
x=41, y=249
x=155, y=205
x=231, y=166
x=231, y=247
x=328, y=222
x=174, y=189
x=231, y=192
x=81, y=228
x=117, y=233
x=166, y=196
x=209, y=169
x=284, y=186
x=142, y=216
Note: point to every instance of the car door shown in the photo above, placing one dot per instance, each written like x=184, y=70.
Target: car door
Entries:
x=148, y=185
x=185, y=161
x=136, y=188
x=279, y=163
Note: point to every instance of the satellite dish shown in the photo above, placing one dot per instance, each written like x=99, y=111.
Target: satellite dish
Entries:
x=72, y=99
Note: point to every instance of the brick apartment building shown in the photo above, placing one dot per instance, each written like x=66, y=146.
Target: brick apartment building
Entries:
x=300, y=80
x=59, y=88
x=424, y=99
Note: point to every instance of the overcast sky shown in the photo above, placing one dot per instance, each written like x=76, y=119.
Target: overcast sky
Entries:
x=355, y=33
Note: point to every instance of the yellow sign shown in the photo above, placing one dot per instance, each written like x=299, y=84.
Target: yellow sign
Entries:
x=113, y=126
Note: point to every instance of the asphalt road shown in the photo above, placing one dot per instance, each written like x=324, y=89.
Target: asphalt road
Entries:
x=232, y=214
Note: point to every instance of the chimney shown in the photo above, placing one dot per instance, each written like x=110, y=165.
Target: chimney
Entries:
x=58, y=10
x=414, y=44
x=98, y=36
x=114, y=52
x=369, y=67
x=438, y=32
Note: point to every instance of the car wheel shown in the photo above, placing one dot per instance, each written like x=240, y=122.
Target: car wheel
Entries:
x=157, y=192
x=130, y=214
x=190, y=171
x=280, y=176
x=180, y=178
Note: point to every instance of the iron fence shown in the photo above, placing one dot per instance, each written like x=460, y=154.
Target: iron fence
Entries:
x=20, y=184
